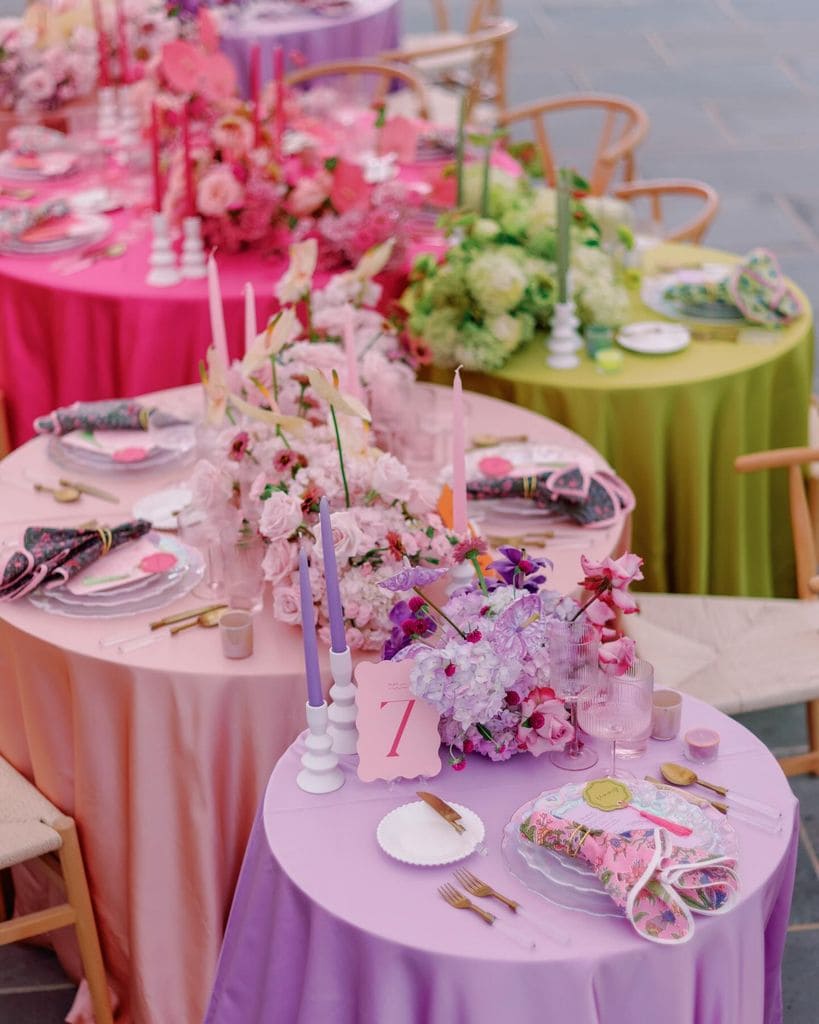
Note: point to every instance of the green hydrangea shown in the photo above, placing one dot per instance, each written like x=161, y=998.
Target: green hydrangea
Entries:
x=496, y=281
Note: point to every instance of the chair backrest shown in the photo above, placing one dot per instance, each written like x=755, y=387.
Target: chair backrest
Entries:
x=802, y=525
x=692, y=229
x=483, y=51
x=478, y=12
x=382, y=73
x=625, y=125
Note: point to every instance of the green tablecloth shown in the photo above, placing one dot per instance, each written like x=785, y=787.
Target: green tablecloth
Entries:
x=671, y=426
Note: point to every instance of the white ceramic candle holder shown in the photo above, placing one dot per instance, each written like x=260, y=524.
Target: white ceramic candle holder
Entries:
x=128, y=128
x=460, y=575
x=320, y=772
x=342, y=712
x=162, y=272
x=193, y=263
x=107, y=113
x=564, y=342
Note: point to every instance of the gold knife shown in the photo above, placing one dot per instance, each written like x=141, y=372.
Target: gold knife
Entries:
x=448, y=813
x=94, y=492
x=721, y=807
x=194, y=613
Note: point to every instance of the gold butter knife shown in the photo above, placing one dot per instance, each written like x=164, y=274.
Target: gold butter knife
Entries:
x=94, y=492
x=438, y=805
x=194, y=613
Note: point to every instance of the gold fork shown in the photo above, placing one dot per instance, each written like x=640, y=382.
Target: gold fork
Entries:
x=477, y=887
x=456, y=899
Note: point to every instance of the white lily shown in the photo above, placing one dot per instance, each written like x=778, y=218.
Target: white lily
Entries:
x=216, y=387
x=295, y=283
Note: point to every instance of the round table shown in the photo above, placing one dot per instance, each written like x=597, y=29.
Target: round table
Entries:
x=368, y=28
x=672, y=426
x=162, y=754
x=325, y=926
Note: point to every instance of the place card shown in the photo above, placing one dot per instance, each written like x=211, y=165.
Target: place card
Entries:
x=397, y=731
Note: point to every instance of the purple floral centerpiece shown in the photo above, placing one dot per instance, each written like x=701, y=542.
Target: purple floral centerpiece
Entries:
x=482, y=657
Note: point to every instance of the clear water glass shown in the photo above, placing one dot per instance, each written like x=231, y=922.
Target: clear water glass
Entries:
x=641, y=673
x=615, y=710
x=573, y=667
x=244, y=579
x=200, y=531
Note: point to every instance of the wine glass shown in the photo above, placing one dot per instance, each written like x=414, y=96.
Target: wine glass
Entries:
x=573, y=667
x=614, y=709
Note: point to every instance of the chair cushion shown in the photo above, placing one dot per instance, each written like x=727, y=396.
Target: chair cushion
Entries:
x=739, y=654
x=24, y=819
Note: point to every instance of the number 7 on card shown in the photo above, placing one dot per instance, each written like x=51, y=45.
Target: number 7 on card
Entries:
x=397, y=732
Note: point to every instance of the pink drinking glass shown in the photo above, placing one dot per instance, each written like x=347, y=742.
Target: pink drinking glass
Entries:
x=614, y=709
x=573, y=667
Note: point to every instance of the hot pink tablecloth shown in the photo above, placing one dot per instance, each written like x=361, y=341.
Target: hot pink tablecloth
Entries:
x=162, y=755
x=326, y=927
x=369, y=27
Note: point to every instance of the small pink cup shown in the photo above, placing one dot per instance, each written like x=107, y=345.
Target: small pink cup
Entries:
x=701, y=745
x=667, y=714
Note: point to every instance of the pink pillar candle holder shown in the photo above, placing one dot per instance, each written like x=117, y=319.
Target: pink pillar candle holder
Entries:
x=667, y=714
x=701, y=745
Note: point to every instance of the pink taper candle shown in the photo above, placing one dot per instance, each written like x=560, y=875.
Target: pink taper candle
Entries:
x=217, y=312
x=256, y=90
x=122, y=40
x=459, y=524
x=102, y=45
x=351, y=352
x=251, y=329
x=278, y=76
x=154, y=136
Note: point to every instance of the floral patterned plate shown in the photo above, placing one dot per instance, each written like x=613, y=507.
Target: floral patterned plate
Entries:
x=571, y=883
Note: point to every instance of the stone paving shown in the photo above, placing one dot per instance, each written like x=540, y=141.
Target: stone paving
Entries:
x=732, y=89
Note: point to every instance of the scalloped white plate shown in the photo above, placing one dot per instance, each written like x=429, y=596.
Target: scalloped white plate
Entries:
x=415, y=834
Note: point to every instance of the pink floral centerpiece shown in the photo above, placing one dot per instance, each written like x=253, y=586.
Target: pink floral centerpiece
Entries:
x=482, y=658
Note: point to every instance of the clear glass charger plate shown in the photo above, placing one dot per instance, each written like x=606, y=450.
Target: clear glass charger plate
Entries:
x=175, y=444
x=160, y=590
x=57, y=167
x=652, y=293
x=84, y=229
x=571, y=883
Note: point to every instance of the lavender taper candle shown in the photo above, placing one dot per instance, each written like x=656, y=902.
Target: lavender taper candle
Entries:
x=315, y=698
x=338, y=638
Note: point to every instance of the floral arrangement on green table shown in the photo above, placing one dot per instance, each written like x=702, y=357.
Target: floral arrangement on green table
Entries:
x=496, y=286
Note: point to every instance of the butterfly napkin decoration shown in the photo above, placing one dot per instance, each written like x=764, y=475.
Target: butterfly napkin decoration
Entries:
x=48, y=556
x=657, y=884
x=756, y=287
x=116, y=414
x=589, y=497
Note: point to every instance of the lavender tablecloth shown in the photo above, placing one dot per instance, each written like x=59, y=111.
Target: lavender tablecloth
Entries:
x=325, y=927
x=370, y=27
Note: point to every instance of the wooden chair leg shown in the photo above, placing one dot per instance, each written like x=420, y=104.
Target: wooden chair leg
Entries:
x=6, y=894
x=76, y=887
x=812, y=709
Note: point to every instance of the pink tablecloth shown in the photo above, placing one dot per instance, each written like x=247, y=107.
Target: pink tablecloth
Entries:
x=369, y=27
x=162, y=754
x=325, y=927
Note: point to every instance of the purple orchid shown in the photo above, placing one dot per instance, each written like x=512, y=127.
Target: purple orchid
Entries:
x=410, y=622
x=519, y=628
x=518, y=570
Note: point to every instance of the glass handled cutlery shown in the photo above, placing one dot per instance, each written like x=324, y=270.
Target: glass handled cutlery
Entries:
x=476, y=887
x=456, y=899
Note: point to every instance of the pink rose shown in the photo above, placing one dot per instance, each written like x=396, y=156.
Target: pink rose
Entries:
x=348, y=537
x=38, y=85
x=286, y=604
x=281, y=515
x=279, y=561
x=543, y=725
x=309, y=194
x=616, y=657
x=233, y=134
x=390, y=478
x=217, y=192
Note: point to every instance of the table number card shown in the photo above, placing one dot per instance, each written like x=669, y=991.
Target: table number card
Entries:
x=397, y=732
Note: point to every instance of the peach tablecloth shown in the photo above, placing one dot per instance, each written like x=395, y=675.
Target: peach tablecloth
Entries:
x=162, y=755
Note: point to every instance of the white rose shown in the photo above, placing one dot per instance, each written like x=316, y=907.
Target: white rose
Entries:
x=281, y=515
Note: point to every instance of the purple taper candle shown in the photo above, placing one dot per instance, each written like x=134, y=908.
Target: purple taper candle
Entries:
x=315, y=698
x=338, y=638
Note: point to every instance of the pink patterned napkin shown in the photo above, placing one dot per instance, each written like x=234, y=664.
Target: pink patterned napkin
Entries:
x=656, y=883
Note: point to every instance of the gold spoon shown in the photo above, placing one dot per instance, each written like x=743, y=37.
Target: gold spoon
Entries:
x=490, y=440
x=61, y=494
x=681, y=776
x=207, y=620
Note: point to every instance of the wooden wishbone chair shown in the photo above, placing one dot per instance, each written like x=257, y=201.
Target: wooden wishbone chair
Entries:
x=383, y=72
x=746, y=654
x=692, y=230
x=625, y=125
